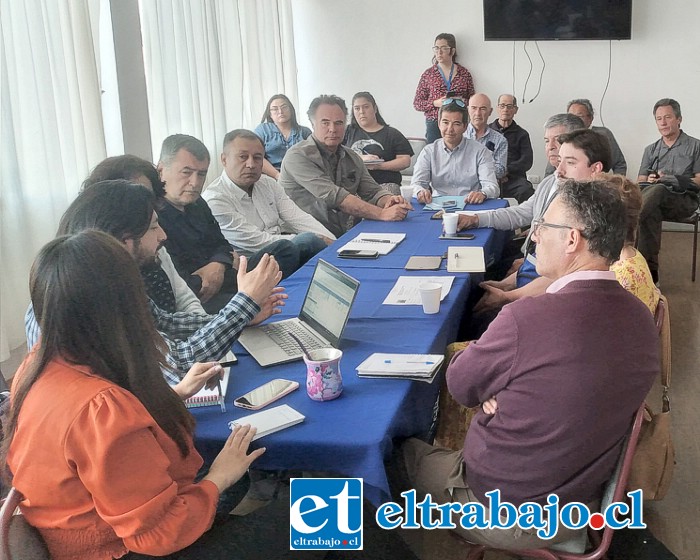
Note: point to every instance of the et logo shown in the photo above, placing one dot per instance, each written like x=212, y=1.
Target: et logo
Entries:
x=325, y=514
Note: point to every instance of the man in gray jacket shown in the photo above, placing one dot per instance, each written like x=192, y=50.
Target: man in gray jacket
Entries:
x=521, y=216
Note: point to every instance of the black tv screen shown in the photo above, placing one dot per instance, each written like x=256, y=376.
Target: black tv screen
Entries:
x=557, y=20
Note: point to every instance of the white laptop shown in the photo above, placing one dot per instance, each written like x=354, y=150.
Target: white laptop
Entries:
x=320, y=323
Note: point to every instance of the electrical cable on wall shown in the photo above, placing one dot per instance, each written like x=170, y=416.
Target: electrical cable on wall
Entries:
x=539, y=86
x=530, y=72
x=600, y=107
x=513, y=90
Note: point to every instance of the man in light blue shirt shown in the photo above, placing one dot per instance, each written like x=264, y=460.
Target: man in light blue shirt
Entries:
x=455, y=165
x=479, y=112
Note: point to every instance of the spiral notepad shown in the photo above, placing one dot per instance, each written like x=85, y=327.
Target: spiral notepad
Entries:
x=209, y=397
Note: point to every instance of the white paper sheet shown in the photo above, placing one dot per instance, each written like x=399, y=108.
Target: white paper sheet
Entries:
x=405, y=291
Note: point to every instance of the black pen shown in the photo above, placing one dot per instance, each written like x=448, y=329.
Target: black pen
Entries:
x=228, y=364
x=378, y=240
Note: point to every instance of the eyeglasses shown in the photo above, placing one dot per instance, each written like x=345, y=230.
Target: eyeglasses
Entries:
x=454, y=100
x=279, y=109
x=441, y=49
x=540, y=223
x=506, y=106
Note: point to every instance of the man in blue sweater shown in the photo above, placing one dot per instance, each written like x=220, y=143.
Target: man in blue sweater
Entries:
x=560, y=376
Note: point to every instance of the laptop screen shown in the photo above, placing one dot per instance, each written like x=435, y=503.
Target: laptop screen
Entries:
x=328, y=301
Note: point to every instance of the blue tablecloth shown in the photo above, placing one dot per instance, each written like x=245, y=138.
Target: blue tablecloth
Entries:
x=353, y=434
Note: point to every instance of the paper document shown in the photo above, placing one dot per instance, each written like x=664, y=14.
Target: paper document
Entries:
x=383, y=243
x=417, y=364
x=405, y=291
x=465, y=259
x=414, y=367
x=270, y=421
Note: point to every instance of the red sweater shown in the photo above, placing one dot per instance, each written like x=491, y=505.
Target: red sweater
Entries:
x=99, y=476
x=568, y=370
x=431, y=87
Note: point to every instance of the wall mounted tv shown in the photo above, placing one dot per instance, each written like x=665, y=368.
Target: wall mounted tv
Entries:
x=557, y=20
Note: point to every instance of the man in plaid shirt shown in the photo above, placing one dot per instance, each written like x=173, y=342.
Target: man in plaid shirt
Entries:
x=125, y=211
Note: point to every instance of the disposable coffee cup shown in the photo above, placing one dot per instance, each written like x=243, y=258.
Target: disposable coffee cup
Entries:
x=407, y=193
x=449, y=223
x=430, y=293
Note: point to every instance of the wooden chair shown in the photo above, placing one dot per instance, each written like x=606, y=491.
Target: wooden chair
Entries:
x=18, y=539
x=599, y=540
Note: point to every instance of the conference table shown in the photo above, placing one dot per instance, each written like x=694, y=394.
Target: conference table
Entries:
x=353, y=434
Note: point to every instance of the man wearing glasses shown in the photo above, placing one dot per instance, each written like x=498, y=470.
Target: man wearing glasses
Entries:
x=454, y=165
x=514, y=184
x=565, y=372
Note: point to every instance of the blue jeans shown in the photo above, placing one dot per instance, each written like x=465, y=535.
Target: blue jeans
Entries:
x=308, y=245
x=285, y=253
x=432, y=131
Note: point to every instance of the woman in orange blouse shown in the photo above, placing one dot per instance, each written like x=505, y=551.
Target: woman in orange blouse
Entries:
x=96, y=441
x=101, y=447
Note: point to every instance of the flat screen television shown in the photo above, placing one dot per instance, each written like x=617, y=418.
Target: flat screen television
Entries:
x=557, y=20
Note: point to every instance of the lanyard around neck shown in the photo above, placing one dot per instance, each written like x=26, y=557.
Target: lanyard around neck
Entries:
x=448, y=81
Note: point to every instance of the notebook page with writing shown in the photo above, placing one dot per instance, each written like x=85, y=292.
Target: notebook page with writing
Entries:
x=383, y=243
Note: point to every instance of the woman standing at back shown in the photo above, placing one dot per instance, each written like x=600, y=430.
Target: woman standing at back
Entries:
x=279, y=131
x=445, y=78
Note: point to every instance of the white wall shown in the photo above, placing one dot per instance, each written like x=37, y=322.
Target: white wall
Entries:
x=383, y=46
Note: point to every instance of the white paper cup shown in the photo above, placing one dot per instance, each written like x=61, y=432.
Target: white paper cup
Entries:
x=449, y=223
x=430, y=296
x=407, y=193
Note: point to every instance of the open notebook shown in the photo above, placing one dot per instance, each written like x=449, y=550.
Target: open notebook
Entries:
x=383, y=243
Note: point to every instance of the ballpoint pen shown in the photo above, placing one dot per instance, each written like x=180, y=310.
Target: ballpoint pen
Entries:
x=426, y=363
x=222, y=400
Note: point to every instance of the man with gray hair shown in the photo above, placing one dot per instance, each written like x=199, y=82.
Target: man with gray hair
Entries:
x=583, y=109
x=330, y=181
x=521, y=216
x=200, y=252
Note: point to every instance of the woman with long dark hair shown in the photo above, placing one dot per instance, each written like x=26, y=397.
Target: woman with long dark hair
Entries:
x=384, y=149
x=445, y=78
x=102, y=448
x=279, y=131
x=97, y=442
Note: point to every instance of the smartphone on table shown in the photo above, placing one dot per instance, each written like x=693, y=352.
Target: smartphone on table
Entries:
x=458, y=235
x=265, y=394
x=358, y=254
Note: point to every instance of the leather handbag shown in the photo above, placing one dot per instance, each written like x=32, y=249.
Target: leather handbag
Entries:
x=654, y=459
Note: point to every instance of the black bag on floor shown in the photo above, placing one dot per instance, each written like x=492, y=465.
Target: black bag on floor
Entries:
x=638, y=544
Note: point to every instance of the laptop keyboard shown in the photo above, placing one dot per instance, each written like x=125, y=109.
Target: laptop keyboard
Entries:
x=279, y=332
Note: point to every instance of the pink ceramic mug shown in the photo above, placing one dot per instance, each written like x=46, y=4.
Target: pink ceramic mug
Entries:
x=323, y=379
